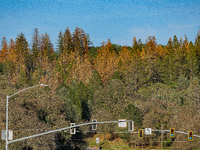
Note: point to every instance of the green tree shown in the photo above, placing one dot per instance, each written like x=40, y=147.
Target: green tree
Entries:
x=22, y=48
x=81, y=97
x=167, y=68
x=95, y=82
x=60, y=44
x=192, y=62
x=36, y=41
x=175, y=43
x=67, y=42
x=133, y=113
x=70, y=108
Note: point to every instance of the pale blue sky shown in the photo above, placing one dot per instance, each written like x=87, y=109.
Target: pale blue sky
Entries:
x=118, y=20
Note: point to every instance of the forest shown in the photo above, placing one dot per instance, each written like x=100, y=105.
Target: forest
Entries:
x=157, y=86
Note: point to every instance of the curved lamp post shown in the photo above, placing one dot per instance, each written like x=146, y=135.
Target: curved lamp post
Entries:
x=7, y=97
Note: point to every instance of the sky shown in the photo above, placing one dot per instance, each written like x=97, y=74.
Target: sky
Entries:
x=117, y=20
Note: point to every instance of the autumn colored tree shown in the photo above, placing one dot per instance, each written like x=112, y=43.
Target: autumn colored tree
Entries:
x=12, y=63
x=151, y=47
x=3, y=50
x=135, y=46
x=46, y=46
x=155, y=85
x=80, y=41
x=125, y=57
x=106, y=62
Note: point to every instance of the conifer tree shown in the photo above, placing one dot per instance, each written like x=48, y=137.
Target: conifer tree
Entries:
x=36, y=41
x=175, y=44
x=197, y=45
x=191, y=61
x=46, y=46
x=12, y=55
x=67, y=42
x=60, y=47
x=22, y=49
x=135, y=46
x=12, y=61
x=169, y=59
x=4, y=50
x=77, y=41
x=81, y=41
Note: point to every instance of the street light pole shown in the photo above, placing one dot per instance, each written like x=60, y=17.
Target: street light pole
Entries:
x=7, y=122
x=7, y=97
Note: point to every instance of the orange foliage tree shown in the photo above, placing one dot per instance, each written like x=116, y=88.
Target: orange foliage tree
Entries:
x=106, y=62
x=4, y=50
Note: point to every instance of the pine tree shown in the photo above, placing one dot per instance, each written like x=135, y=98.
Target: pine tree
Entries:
x=197, y=41
x=81, y=41
x=192, y=61
x=22, y=49
x=60, y=47
x=175, y=44
x=12, y=57
x=46, y=46
x=77, y=41
x=166, y=63
x=4, y=50
x=197, y=45
x=67, y=42
x=36, y=41
x=4, y=67
x=135, y=46
x=23, y=59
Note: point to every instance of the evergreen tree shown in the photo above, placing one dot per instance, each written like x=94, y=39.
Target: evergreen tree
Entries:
x=95, y=82
x=132, y=113
x=77, y=41
x=80, y=96
x=36, y=41
x=46, y=47
x=67, y=42
x=81, y=41
x=22, y=50
x=175, y=43
x=192, y=61
x=197, y=42
x=167, y=68
x=60, y=47
x=197, y=47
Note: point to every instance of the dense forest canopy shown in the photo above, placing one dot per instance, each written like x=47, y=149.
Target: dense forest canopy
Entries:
x=155, y=85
